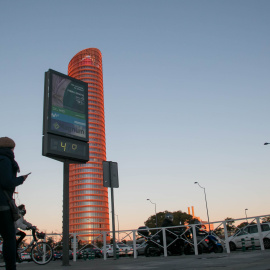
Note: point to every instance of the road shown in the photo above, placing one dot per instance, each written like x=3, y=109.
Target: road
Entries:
x=249, y=260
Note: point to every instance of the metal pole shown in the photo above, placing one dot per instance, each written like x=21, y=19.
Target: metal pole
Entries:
x=155, y=210
x=118, y=228
x=65, y=261
x=246, y=214
x=156, y=214
x=74, y=247
x=113, y=224
x=206, y=208
x=260, y=233
x=205, y=203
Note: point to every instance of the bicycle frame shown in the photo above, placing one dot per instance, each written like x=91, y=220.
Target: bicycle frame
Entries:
x=32, y=243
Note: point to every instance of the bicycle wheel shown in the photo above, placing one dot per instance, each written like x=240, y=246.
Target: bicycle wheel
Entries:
x=2, y=262
x=42, y=253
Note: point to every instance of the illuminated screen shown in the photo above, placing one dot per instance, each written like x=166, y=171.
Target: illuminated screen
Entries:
x=65, y=148
x=68, y=111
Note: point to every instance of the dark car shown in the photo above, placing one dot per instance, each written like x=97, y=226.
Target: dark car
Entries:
x=70, y=255
x=57, y=255
x=97, y=251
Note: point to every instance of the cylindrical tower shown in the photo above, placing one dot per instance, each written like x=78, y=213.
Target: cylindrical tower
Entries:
x=89, y=209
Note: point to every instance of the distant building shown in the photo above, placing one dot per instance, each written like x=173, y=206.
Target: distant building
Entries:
x=88, y=207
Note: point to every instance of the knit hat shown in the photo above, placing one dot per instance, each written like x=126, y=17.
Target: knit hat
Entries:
x=6, y=142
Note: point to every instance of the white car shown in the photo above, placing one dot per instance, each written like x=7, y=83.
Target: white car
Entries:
x=124, y=249
x=249, y=232
x=109, y=250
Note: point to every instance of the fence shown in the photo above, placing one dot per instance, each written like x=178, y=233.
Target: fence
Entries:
x=225, y=232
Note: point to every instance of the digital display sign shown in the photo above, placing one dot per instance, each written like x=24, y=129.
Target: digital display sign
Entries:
x=65, y=118
x=65, y=148
x=67, y=110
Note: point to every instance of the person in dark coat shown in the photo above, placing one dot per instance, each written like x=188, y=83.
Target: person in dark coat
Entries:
x=8, y=181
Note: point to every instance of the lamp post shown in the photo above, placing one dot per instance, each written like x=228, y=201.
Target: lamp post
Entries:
x=205, y=202
x=246, y=214
x=155, y=209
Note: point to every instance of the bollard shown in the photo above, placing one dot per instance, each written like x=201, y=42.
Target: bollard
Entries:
x=117, y=253
x=252, y=243
x=126, y=253
x=243, y=244
x=93, y=255
x=85, y=256
x=89, y=255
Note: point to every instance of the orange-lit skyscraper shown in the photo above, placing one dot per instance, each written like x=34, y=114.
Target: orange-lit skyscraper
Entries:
x=88, y=199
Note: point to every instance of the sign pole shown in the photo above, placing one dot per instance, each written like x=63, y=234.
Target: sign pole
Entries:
x=65, y=239
x=113, y=224
x=110, y=179
x=65, y=133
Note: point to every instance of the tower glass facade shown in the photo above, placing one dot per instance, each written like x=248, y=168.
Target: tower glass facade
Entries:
x=88, y=199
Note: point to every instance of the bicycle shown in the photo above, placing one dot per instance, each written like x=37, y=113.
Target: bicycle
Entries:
x=41, y=252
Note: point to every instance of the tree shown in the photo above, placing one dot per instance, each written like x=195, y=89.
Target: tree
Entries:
x=219, y=232
x=50, y=241
x=178, y=216
x=243, y=224
x=230, y=225
x=266, y=219
x=99, y=243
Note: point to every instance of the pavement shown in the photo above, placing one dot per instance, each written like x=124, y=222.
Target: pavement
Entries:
x=248, y=260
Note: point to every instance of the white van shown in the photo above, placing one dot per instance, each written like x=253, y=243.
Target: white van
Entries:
x=249, y=232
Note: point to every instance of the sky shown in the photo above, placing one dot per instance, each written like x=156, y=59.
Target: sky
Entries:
x=186, y=92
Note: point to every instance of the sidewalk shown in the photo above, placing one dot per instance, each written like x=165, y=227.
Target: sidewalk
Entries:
x=250, y=260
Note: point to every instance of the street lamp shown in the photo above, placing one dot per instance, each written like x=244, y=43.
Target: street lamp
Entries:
x=205, y=202
x=246, y=213
x=155, y=209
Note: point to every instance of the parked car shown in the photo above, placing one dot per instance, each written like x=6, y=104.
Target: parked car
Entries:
x=70, y=254
x=97, y=251
x=26, y=256
x=109, y=250
x=57, y=255
x=140, y=248
x=124, y=249
x=248, y=232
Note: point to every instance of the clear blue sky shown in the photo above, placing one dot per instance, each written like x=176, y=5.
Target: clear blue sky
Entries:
x=186, y=87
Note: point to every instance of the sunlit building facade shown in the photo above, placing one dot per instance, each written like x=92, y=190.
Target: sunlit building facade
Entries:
x=88, y=199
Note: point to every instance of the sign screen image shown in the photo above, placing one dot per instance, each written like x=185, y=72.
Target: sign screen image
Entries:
x=67, y=114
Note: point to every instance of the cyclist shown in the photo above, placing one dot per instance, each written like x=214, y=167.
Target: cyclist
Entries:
x=21, y=223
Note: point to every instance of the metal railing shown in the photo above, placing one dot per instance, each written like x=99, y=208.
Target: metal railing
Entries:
x=225, y=231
